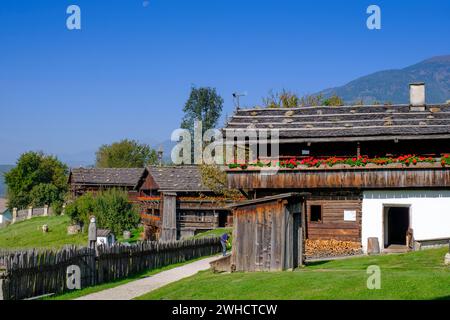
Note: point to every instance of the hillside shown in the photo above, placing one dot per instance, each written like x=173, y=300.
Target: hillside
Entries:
x=3, y=169
x=392, y=85
x=28, y=234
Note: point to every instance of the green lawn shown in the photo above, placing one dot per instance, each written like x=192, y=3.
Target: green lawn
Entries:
x=135, y=236
x=416, y=275
x=213, y=233
x=28, y=234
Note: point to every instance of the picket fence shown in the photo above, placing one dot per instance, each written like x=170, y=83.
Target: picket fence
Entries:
x=32, y=273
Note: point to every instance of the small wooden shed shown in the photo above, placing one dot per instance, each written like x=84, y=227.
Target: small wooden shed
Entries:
x=268, y=233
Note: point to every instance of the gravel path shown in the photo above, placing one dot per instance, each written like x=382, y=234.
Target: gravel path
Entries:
x=140, y=287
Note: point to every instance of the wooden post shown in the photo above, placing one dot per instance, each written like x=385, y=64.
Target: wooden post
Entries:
x=169, y=217
x=1, y=289
x=300, y=246
x=14, y=217
x=358, y=149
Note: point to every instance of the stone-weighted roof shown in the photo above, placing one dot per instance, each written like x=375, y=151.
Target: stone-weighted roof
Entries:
x=121, y=177
x=178, y=178
x=351, y=123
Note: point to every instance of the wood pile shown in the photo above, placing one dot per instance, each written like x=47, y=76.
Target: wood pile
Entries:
x=331, y=248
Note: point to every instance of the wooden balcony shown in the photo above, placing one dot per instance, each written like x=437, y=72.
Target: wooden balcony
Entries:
x=423, y=175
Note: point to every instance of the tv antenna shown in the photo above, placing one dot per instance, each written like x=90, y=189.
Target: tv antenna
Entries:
x=236, y=97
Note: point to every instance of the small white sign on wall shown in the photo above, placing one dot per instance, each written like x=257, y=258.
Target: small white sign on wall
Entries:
x=349, y=215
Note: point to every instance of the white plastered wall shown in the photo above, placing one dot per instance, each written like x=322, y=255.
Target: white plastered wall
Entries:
x=429, y=213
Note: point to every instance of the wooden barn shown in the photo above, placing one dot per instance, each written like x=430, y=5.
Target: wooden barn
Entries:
x=372, y=171
x=82, y=180
x=177, y=195
x=268, y=233
x=173, y=201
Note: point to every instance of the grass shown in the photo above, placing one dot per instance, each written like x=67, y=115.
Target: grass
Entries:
x=135, y=236
x=415, y=275
x=79, y=293
x=213, y=233
x=28, y=234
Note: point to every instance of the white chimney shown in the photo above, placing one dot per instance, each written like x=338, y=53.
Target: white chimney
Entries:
x=417, y=96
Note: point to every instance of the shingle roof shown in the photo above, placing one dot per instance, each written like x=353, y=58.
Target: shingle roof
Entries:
x=178, y=178
x=103, y=232
x=126, y=177
x=347, y=122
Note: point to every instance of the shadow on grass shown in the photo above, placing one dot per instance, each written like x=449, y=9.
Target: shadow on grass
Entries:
x=444, y=298
x=316, y=263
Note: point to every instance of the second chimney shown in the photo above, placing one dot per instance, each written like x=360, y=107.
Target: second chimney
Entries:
x=417, y=96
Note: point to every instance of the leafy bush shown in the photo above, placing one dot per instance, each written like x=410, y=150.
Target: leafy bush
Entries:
x=44, y=193
x=81, y=209
x=112, y=209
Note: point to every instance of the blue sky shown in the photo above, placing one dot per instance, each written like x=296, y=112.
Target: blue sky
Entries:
x=128, y=72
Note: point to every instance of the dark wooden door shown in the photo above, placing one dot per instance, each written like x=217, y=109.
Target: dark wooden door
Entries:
x=298, y=240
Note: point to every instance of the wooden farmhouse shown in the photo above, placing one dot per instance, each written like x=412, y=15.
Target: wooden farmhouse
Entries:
x=371, y=171
x=173, y=201
x=178, y=205
x=82, y=180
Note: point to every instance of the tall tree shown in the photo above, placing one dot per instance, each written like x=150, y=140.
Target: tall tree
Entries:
x=36, y=179
x=204, y=104
x=125, y=154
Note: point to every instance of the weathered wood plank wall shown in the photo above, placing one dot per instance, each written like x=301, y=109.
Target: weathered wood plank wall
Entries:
x=169, y=217
x=333, y=225
x=264, y=236
x=411, y=177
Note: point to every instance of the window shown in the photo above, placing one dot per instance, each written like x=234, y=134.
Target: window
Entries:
x=316, y=213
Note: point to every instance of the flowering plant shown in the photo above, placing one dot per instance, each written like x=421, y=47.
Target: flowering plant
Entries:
x=360, y=161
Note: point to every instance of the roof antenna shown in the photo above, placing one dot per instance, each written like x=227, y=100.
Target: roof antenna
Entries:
x=160, y=155
x=236, y=98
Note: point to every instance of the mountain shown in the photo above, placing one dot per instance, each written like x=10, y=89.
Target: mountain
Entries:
x=392, y=85
x=3, y=169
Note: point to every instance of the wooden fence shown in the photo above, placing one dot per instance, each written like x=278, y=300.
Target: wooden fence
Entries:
x=33, y=273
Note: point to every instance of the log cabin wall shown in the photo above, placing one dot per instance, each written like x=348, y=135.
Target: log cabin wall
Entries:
x=332, y=224
x=333, y=204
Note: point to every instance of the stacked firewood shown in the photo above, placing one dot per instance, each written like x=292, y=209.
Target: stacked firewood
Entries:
x=331, y=248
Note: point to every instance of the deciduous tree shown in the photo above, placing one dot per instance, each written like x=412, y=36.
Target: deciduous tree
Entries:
x=37, y=179
x=125, y=154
